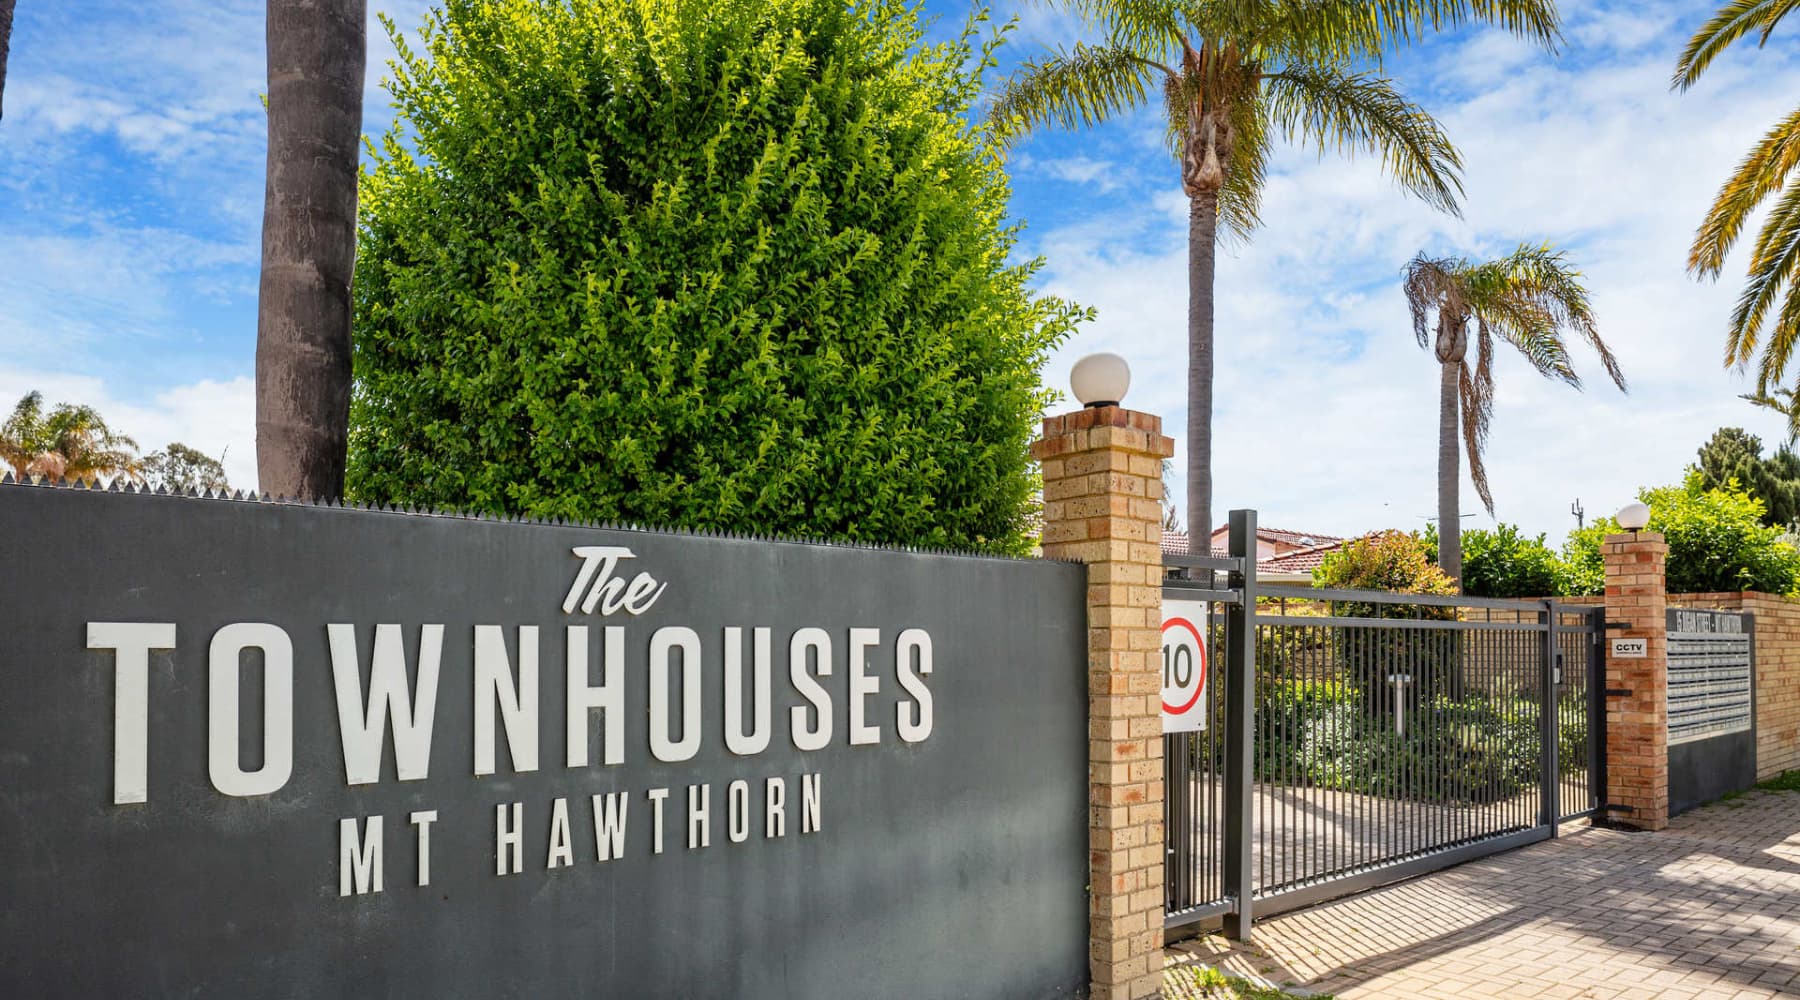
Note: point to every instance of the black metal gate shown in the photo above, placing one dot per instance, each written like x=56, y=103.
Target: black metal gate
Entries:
x=1360, y=737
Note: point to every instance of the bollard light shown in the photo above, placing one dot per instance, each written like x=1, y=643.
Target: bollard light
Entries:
x=1100, y=379
x=1633, y=516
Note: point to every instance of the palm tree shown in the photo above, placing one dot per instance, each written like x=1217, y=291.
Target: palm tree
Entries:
x=1235, y=76
x=6, y=19
x=316, y=56
x=1775, y=261
x=1531, y=298
x=73, y=442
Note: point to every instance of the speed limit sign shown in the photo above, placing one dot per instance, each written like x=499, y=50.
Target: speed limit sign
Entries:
x=1184, y=666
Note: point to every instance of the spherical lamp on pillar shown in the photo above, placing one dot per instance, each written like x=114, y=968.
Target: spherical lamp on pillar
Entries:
x=1100, y=379
x=1633, y=516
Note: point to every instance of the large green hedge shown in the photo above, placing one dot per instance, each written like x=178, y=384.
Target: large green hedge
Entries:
x=708, y=263
x=1717, y=542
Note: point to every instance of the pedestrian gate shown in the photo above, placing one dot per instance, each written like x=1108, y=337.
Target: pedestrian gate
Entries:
x=1354, y=738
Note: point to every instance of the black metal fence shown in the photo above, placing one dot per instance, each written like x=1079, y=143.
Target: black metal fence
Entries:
x=1362, y=737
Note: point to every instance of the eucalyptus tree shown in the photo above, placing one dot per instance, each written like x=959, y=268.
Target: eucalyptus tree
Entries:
x=1234, y=78
x=1775, y=259
x=315, y=56
x=1531, y=299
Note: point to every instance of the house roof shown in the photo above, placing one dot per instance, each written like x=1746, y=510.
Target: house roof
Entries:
x=1300, y=560
x=1283, y=536
x=1176, y=542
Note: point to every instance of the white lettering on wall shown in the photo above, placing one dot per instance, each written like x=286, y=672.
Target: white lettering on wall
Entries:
x=912, y=663
x=776, y=802
x=657, y=795
x=816, y=734
x=359, y=857
x=518, y=701
x=699, y=816
x=562, y=852
x=862, y=685
x=509, y=838
x=423, y=820
x=737, y=808
x=663, y=745
x=609, y=826
x=608, y=698
x=809, y=803
x=224, y=667
x=363, y=725
x=131, y=643
x=606, y=592
x=757, y=739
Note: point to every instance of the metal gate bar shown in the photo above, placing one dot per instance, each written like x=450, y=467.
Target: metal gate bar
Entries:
x=1358, y=737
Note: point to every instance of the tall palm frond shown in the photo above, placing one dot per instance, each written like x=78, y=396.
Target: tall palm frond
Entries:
x=1774, y=270
x=1331, y=109
x=1785, y=402
x=1732, y=22
x=1084, y=86
x=1353, y=30
x=1476, y=398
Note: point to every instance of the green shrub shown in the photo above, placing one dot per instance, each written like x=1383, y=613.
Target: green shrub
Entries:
x=1386, y=560
x=735, y=264
x=1505, y=563
x=1717, y=542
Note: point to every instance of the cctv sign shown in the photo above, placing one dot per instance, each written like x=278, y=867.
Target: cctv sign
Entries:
x=1185, y=666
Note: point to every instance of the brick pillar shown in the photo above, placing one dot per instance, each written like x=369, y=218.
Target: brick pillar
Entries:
x=1637, y=703
x=1102, y=506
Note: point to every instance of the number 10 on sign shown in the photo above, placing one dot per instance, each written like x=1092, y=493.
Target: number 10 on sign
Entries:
x=1184, y=666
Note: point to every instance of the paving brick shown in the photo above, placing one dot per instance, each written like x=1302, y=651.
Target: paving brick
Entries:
x=1708, y=909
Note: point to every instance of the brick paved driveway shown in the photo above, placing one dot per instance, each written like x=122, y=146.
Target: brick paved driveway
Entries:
x=1708, y=908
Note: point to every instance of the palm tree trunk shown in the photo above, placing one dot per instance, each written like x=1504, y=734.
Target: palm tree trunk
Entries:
x=316, y=63
x=1449, y=518
x=6, y=19
x=1203, y=224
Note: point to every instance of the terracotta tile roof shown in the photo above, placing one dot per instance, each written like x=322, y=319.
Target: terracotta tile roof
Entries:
x=1175, y=543
x=1306, y=538
x=1282, y=536
x=1300, y=560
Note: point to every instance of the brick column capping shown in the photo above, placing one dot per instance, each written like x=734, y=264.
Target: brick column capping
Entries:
x=1637, y=690
x=1102, y=470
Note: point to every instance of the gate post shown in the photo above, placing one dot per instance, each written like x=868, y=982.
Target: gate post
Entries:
x=1240, y=728
x=1637, y=684
x=1102, y=469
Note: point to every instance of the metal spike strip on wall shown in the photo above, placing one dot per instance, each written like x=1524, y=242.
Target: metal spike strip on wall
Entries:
x=8, y=479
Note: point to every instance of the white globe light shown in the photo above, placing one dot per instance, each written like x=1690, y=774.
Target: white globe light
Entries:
x=1100, y=379
x=1633, y=516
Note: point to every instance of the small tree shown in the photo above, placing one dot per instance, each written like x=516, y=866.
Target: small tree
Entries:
x=739, y=264
x=182, y=468
x=1394, y=561
x=1735, y=454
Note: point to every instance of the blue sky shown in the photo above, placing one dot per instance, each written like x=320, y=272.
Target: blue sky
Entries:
x=130, y=204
